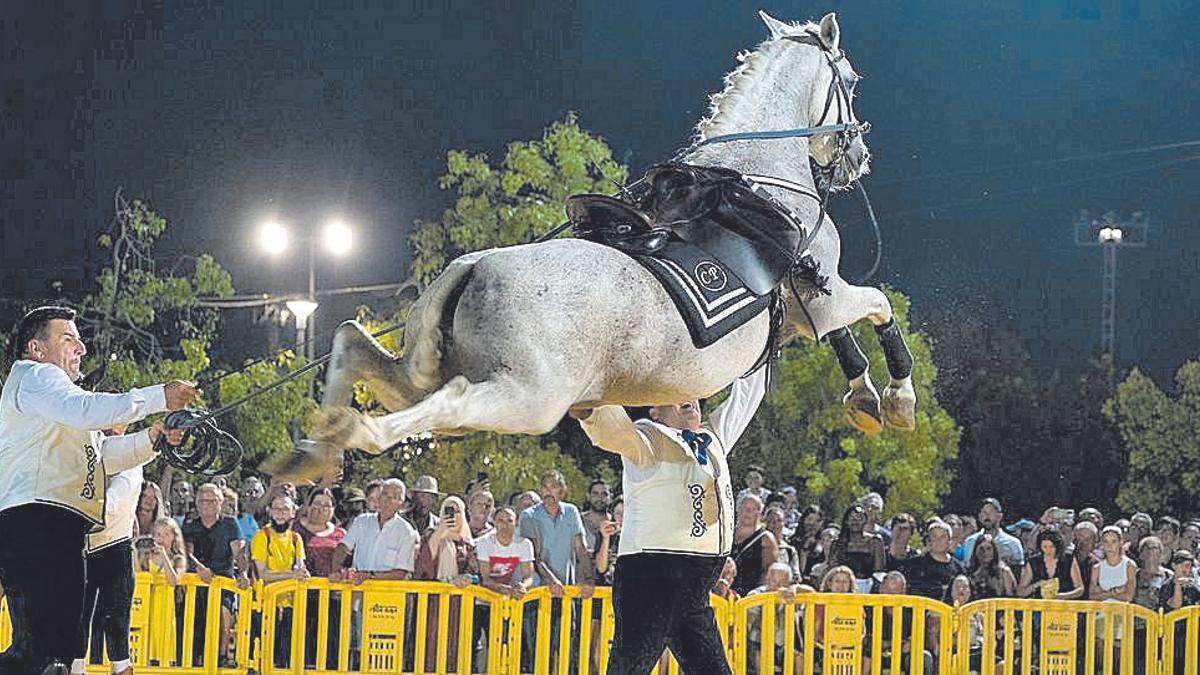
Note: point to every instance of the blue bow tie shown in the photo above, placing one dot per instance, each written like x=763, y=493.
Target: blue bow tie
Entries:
x=699, y=444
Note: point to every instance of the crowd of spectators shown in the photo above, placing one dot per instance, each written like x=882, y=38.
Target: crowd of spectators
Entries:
x=390, y=529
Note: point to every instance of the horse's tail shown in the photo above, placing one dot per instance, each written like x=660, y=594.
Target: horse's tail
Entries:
x=430, y=321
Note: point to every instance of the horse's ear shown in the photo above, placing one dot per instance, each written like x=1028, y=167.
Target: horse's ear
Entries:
x=831, y=35
x=778, y=28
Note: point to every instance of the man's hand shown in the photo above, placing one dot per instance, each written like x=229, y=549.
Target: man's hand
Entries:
x=206, y=574
x=179, y=394
x=174, y=436
x=300, y=574
x=556, y=589
x=516, y=591
x=337, y=576
x=243, y=581
x=586, y=591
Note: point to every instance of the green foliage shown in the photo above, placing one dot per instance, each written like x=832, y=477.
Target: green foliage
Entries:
x=517, y=201
x=1159, y=431
x=801, y=432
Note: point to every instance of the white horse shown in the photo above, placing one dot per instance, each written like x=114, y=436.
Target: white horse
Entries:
x=510, y=340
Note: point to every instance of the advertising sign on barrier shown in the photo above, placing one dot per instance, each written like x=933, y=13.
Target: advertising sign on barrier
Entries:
x=844, y=631
x=1058, y=643
x=383, y=631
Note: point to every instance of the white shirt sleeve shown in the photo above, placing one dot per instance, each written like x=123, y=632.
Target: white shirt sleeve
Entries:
x=46, y=391
x=483, y=548
x=732, y=417
x=127, y=451
x=351, y=538
x=526, y=547
x=119, y=489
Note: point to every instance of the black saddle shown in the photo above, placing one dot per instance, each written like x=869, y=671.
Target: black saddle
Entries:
x=710, y=207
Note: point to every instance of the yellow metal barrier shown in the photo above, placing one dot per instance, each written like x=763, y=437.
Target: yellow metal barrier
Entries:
x=413, y=627
x=1180, y=638
x=842, y=634
x=380, y=627
x=1055, y=637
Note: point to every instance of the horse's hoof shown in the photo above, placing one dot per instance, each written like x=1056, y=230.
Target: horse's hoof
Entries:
x=309, y=462
x=899, y=409
x=862, y=410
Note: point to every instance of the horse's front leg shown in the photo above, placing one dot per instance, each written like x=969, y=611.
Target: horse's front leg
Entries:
x=897, y=405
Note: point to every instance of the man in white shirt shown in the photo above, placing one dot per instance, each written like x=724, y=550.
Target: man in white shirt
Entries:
x=505, y=559
x=53, y=465
x=678, y=526
x=383, y=543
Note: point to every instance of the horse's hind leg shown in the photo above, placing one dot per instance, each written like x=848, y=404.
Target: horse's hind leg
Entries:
x=357, y=356
x=501, y=405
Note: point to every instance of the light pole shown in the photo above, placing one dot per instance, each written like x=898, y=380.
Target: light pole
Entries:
x=336, y=238
x=1110, y=234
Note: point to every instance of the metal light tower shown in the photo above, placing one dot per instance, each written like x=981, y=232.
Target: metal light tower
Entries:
x=1110, y=233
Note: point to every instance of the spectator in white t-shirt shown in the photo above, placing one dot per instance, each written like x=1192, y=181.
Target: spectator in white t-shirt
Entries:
x=383, y=543
x=505, y=559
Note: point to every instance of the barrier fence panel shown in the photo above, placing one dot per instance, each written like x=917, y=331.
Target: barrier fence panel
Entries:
x=842, y=634
x=560, y=635
x=380, y=627
x=1181, y=642
x=1056, y=637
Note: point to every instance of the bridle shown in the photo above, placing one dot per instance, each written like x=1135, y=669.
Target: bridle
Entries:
x=838, y=99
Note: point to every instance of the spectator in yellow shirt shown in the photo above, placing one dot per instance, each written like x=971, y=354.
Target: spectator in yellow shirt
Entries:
x=278, y=554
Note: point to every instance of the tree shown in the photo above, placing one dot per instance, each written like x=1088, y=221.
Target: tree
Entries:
x=801, y=432
x=145, y=324
x=512, y=203
x=1158, y=429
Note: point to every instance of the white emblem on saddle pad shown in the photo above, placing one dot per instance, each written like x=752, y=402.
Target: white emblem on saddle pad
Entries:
x=710, y=275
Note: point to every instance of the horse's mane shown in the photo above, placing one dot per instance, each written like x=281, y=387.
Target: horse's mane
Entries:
x=751, y=64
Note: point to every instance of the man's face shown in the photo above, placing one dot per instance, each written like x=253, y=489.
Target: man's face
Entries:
x=181, y=495
x=506, y=523
x=939, y=541
x=774, y=520
x=423, y=502
x=372, y=503
x=483, y=505
x=252, y=491
x=777, y=579
x=599, y=497
x=353, y=508
x=1183, y=570
x=390, y=499
x=892, y=585
x=684, y=415
x=754, y=480
x=552, y=490
x=282, y=510
x=990, y=517
x=61, y=346
x=874, y=509
x=1085, y=539
x=209, y=503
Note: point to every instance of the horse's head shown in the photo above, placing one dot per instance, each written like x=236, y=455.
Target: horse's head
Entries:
x=842, y=156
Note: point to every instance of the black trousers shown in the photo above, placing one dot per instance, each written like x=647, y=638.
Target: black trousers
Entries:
x=661, y=600
x=43, y=572
x=107, y=602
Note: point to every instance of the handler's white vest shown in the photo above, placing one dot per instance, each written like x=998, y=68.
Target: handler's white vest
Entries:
x=677, y=507
x=44, y=462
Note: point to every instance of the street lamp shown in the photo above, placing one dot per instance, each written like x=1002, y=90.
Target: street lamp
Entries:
x=336, y=238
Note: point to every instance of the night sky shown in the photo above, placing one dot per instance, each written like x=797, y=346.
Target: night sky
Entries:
x=221, y=114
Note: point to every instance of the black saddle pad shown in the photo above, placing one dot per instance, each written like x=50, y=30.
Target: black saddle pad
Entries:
x=711, y=299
